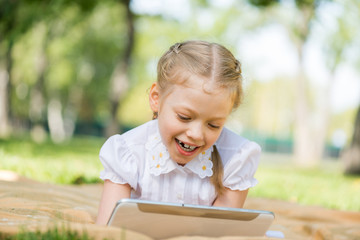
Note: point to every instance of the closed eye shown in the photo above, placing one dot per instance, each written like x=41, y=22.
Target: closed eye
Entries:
x=213, y=126
x=183, y=118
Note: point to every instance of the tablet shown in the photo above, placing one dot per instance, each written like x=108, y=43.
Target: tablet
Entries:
x=165, y=220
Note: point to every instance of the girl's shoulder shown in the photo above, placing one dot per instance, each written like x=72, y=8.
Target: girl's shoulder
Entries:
x=121, y=154
x=240, y=158
x=129, y=146
x=131, y=141
x=229, y=140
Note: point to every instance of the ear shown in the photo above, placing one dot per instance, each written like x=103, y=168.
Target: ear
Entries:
x=154, y=97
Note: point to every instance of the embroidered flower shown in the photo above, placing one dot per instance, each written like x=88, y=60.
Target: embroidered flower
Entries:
x=157, y=169
x=205, y=154
x=206, y=169
x=202, y=164
x=159, y=161
x=159, y=156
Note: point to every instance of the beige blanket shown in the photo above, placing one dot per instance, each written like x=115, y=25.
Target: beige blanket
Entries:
x=37, y=206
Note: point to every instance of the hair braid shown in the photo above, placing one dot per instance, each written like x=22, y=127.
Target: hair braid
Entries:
x=218, y=171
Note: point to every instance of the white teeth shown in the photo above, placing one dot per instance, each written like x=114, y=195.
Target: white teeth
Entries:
x=186, y=147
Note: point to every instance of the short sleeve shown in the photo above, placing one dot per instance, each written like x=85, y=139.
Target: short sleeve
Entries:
x=240, y=169
x=120, y=165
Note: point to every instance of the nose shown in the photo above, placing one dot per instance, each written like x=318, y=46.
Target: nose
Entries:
x=195, y=132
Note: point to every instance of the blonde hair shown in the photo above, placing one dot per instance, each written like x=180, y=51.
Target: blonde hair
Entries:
x=212, y=62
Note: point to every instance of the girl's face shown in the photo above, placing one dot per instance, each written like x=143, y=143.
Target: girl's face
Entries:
x=190, y=119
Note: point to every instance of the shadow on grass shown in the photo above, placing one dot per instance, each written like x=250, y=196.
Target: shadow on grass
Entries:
x=85, y=180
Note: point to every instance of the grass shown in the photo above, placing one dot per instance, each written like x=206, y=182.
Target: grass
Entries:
x=51, y=234
x=324, y=186
x=77, y=162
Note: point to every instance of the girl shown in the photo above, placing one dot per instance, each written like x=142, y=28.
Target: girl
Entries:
x=185, y=154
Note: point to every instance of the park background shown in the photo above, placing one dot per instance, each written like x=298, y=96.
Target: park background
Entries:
x=73, y=73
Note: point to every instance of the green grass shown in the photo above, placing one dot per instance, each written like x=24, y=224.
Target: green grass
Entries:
x=325, y=186
x=77, y=162
x=51, y=234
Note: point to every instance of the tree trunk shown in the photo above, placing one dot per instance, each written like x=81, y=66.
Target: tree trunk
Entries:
x=119, y=82
x=318, y=122
x=321, y=118
x=4, y=103
x=5, y=92
x=303, y=145
x=351, y=156
x=38, y=95
x=56, y=121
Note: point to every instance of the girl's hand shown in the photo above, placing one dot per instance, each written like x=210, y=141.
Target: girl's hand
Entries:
x=231, y=198
x=112, y=193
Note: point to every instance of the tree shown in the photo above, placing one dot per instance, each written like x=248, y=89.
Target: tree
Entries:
x=119, y=81
x=16, y=19
x=49, y=101
x=8, y=12
x=308, y=137
x=304, y=149
x=351, y=156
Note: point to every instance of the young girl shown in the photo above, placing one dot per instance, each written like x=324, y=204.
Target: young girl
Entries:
x=185, y=155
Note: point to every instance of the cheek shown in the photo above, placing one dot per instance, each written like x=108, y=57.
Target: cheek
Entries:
x=212, y=137
x=167, y=129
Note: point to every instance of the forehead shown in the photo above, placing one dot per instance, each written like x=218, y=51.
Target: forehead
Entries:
x=188, y=80
x=192, y=96
x=208, y=85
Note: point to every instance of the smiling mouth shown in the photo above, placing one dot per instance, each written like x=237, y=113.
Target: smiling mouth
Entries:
x=185, y=147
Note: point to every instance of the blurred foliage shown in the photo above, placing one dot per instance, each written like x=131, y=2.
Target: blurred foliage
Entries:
x=260, y=103
x=81, y=57
x=63, y=54
x=263, y=3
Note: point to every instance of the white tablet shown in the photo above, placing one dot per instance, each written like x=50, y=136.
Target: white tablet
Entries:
x=165, y=220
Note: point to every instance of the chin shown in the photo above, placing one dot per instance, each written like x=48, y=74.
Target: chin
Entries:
x=182, y=161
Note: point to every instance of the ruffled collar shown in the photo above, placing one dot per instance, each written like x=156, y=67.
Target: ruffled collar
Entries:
x=161, y=163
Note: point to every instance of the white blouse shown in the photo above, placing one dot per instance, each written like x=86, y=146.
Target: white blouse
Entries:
x=139, y=158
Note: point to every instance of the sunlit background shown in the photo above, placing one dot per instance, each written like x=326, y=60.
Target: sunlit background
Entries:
x=71, y=68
